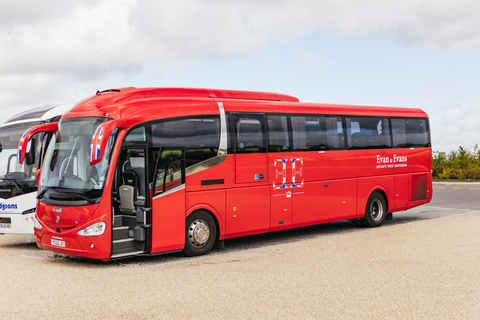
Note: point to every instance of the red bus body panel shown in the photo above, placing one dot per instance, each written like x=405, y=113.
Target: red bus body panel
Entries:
x=248, y=211
x=245, y=193
x=168, y=222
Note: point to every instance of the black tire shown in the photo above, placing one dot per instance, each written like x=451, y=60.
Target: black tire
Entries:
x=200, y=233
x=376, y=210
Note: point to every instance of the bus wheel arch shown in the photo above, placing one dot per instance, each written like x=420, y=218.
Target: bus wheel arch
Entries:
x=201, y=233
x=376, y=209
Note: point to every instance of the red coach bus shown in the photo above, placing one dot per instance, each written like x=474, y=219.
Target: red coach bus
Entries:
x=134, y=172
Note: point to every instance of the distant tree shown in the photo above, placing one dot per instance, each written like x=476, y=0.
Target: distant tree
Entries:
x=458, y=165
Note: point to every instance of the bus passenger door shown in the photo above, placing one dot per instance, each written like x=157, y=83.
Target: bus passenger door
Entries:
x=168, y=201
x=250, y=148
x=281, y=174
x=248, y=203
x=130, y=201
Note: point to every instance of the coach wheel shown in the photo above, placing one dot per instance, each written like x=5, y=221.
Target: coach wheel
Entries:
x=200, y=234
x=376, y=210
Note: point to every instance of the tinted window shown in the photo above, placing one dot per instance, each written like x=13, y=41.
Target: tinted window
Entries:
x=169, y=170
x=199, y=136
x=317, y=133
x=278, y=137
x=368, y=133
x=410, y=133
x=137, y=134
x=249, y=133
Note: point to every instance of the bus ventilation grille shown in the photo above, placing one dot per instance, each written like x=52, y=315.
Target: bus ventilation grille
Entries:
x=419, y=187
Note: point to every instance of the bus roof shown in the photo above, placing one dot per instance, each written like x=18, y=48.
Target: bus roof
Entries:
x=134, y=93
x=324, y=108
x=42, y=113
x=144, y=103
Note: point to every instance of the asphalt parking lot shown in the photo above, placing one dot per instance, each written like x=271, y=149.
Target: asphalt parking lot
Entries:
x=423, y=265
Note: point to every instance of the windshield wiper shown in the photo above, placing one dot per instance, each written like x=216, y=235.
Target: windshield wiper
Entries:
x=71, y=154
x=14, y=181
x=90, y=201
x=42, y=193
x=65, y=195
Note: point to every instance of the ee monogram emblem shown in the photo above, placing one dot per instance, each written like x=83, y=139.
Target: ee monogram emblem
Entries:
x=281, y=173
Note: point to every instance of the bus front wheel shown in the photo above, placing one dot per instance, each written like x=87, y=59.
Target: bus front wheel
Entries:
x=376, y=210
x=200, y=233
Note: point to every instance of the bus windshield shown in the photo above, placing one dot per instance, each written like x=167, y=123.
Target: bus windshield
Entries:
x=67, y=178
x=16, y=178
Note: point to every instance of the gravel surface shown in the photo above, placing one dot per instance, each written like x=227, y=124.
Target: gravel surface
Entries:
x=425, y=269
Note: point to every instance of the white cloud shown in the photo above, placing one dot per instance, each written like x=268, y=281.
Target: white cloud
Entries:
x=95, y=38
x=44, y=47
x=84, y=42
x=452, y=138
x=209, y=29
x=457, y=127
x=457, y=114
x=443, y=24
x=32, y=12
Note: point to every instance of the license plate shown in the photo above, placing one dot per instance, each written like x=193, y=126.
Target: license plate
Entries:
x=57, y=243
x=5, y=225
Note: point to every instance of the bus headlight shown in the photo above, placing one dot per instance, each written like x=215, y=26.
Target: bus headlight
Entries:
x=96, y=229
x=36, y=224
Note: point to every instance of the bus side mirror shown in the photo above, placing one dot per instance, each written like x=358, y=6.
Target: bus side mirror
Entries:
x=22, y=144
x=37, y=176
x=30, y=154
x=103, y=133
x=100, y=139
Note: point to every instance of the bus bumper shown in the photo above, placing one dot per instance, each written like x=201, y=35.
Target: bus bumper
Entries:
x=16, y=223
x=90, y=247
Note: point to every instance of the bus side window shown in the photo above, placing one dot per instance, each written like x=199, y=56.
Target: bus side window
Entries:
x=335, y=133
x=409, y=133
x=417, y=132
x=368, y=133
x=136, y=135
x=169, y=170
x=317, y=132
x=200, y=136
x=313, y=133
x=299, y=132
x=249, y=134
x=278, y=137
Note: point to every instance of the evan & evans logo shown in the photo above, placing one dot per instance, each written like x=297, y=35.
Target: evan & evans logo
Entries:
x=8, y=206
x=391, y=162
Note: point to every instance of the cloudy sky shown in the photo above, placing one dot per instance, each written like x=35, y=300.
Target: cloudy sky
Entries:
x=409, y=53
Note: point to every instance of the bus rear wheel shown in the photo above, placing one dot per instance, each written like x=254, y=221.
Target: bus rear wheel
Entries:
x=200, y=234
x=376, y=211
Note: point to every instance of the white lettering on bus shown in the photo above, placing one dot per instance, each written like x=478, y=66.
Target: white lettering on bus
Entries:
x=391, y=162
